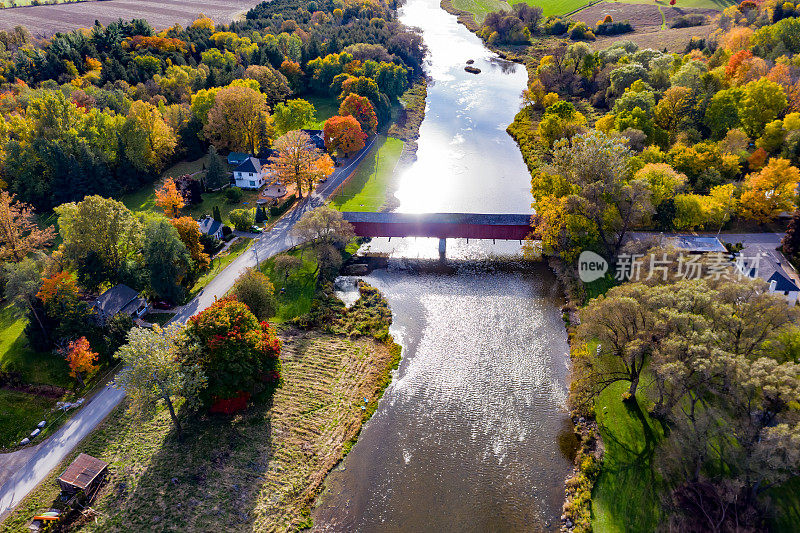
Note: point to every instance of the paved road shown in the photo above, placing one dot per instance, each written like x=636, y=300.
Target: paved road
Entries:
x=61, y=443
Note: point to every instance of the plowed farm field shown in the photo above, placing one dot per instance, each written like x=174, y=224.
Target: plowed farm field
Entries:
x=43, y=21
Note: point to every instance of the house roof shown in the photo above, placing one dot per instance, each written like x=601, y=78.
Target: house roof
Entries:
x=209, y=226
x=697, y=243
x=116, y=299
x=317, y=138
x=251, y=164
x=782, y=283
x=237, y=157
x=83, y=471
x=764, y=262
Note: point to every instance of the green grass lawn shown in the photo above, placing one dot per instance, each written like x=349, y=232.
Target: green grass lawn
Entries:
x=16, y=354
x=480, y=8
x=158, y=318
x=299, y=286
x=366, y=190
x=143, y=200
x=19, y=414
x=626, y=495
x=220, y=262
x=326, y=106
x=786, y=500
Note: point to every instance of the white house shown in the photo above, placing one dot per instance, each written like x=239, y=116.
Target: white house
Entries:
x=764, y=262
x=252, y=174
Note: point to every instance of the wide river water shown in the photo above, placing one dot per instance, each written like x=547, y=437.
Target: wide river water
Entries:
x=466, y=436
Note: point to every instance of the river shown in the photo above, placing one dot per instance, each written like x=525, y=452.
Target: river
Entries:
x=466, y=436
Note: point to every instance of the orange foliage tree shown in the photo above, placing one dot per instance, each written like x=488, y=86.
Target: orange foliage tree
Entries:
x=82, y=360
x=61, y=284
x=299, y=160
x=169, y=198
x=361, y=108
x=343, y=134
x=19, y=232
x=189, y=233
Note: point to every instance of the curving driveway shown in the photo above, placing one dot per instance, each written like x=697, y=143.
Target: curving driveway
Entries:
x=52, y=451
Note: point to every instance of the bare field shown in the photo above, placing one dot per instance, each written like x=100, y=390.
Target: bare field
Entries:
x=43, y=21
x=638, y=14
x=674, y=40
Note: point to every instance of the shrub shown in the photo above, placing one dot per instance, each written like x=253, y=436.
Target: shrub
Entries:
x=278, y=210
x=688, y=21
x=234, y=195
x=613, y=28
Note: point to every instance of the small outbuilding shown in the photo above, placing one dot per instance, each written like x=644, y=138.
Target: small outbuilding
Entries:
x=84, y=474
x=117, y=300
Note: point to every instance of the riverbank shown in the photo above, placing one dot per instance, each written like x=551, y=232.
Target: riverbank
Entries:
x=262, y=467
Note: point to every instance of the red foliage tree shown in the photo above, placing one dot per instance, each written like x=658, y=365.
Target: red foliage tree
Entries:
x=361, y=108
x=234, y=349
x=343, y=134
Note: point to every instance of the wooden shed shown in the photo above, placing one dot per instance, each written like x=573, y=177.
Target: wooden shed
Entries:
x=84, y=474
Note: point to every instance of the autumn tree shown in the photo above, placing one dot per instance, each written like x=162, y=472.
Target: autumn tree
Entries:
x=81, y=359
x=343, y=135
x=154, y=368
x=20, y=235
x=587, y=198
x=762, y=101
x=285, y=264
x=149, y=141
x=790, y=243
x=255, y=290
x=65, y=310
x=273, y=84
x=673, y=110
x=361, y=108
x=293, y=115
x=232, y=348
x=771, y=191
x=189, y=233
x=327, y=232
x=100, y=235
x=300, y=161
x=239, y=120
x=169, y=198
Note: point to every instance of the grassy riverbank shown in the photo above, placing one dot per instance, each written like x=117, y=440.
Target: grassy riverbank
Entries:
x=260, y=469
x=368, y=188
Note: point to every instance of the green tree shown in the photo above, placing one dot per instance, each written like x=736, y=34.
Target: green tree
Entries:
x=149, y=141
x=241, y=219
x=293, y=115
x=22, y=283
x=154, y=369
x=762, y=101
x=99, y=230
x=216, y=172
x=255, y=290
x=168, y=262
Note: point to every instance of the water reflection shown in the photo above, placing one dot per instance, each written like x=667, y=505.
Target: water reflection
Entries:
x=465, y=436
x=466, y=161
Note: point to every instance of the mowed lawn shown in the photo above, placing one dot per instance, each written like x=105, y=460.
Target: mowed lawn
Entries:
x=367, y=188
x=326, y=106
x=297, y=288
x=626, y=495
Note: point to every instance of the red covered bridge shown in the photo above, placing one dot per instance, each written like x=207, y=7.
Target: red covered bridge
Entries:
x=440, y=225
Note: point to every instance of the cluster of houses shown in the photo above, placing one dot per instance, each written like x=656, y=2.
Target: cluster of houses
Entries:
x=754, y=260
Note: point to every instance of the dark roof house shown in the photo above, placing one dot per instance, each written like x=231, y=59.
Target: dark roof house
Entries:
x=251, y=164
x=317, y=138
x=760, y=261
x=209, y=226
x=84, y=474
x=119, y=299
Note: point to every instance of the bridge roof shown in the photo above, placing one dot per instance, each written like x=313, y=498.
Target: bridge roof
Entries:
x=480, y=219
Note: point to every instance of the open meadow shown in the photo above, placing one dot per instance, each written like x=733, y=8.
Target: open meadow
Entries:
x=45, y=20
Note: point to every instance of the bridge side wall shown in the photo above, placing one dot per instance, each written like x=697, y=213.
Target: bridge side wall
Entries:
x=442, y=231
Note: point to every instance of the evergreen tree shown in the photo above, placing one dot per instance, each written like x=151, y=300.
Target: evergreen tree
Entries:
x=216, y=174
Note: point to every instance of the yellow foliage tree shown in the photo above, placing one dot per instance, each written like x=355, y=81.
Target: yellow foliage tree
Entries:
x=770, y=191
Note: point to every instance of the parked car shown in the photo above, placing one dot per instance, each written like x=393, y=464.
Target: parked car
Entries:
x=161, y=304
x=255, y=229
